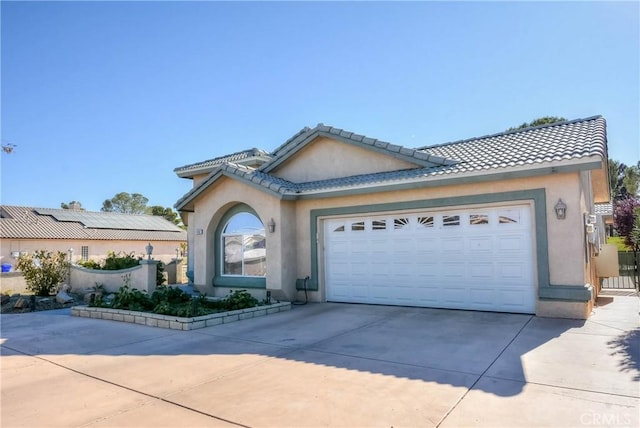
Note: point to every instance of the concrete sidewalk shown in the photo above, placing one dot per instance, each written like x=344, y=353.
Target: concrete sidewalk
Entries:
x=327, y=365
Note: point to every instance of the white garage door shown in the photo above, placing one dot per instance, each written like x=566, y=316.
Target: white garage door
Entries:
x=480, y=259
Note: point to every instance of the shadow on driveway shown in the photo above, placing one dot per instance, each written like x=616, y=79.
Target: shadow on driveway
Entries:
x=431, y=345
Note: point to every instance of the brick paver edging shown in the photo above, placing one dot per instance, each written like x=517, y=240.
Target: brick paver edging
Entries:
x=177, y=323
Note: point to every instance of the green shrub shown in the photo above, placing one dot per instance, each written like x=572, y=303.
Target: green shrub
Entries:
x=240, y=299
x=119, y=261
x=89, y=264
x=43, y=270
x=173, y=301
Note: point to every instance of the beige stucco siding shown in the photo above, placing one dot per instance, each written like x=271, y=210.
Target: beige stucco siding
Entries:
x=289, y=247
x=213, y=205
x=325, y=158
x=566, y=249
x=164, y=251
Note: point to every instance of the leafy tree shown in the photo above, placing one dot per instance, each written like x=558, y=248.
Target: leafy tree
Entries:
x=126, y=203
x=43, y=270
x=631, y=180
x=73, y=205
x=624, y=180
x=167, y=213
x=545, y=120
x=625, y=212
x=626, y=220
x=616, y=172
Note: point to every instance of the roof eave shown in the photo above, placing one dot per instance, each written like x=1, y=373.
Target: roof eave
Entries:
x=457, y=179
x=186, y=202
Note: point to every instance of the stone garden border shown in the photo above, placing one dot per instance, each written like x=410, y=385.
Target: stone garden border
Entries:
x=178, y=323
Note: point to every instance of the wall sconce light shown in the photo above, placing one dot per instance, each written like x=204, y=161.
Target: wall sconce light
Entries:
x=199, y=231
x=272, y=225
x=561, y=210
x=149, y=249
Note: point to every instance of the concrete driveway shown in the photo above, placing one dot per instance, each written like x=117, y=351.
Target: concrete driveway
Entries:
x=326, y=365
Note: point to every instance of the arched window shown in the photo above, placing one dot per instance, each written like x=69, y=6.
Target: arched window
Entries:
x=243, y=244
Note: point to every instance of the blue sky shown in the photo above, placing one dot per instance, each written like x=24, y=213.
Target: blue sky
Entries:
x=101, y=98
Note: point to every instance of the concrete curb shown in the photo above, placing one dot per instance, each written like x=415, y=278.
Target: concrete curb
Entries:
x=178, y=323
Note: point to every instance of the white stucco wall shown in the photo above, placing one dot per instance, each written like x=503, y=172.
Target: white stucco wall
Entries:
x=142, y=277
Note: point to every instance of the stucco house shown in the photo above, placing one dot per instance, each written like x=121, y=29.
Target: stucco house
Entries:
x=90, y=234
x=503, y=222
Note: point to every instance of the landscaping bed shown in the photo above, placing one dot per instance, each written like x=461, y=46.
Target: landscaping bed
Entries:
x=178, y=323
x=170, y=307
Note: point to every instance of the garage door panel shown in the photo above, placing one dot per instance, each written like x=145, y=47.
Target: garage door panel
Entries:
x=509, y=243
x=478, y=259
x=452, y=244
x=479, y=271
x=480, y=244
x=483, y=296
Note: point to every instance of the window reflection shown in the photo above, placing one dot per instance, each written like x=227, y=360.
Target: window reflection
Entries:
x=244, y=246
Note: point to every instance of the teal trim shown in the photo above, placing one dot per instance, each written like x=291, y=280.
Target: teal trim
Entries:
x=239, y=282
x=213, y=177
x=545, y=289
x=577, y=293
x=449, y=181
x=385, y=150
x=233, y=281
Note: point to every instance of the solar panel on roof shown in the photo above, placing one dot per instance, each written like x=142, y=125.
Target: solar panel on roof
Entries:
x=111, y=220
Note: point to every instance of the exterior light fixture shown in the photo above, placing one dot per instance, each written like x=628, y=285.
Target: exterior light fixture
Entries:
x=70, y=251
x=177, y=253
x=561, y=210
x=149, y=249
x=272, y=226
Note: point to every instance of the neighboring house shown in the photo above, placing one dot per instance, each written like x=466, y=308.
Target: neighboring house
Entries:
x=90, y=234
x=474, y=224
x=605, y=212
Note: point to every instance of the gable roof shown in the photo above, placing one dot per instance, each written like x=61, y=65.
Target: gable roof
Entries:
x=245, y=157
x=579, y=144
x=307, y=135
x=18, y=222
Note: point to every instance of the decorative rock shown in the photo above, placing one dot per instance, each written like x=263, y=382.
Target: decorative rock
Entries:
x=21, y=303
x=63, y=297
x=109, y=298
x=65, y=288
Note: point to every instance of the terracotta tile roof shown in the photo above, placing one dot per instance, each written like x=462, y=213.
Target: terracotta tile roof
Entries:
x=18, y=222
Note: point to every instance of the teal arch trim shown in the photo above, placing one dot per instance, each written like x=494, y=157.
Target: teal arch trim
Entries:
x=232, y=281
x=546, y=291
